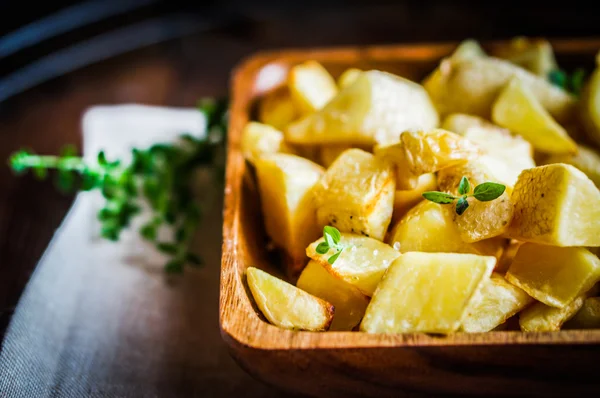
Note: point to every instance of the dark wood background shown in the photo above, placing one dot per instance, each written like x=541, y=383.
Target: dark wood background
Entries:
x=207, y=40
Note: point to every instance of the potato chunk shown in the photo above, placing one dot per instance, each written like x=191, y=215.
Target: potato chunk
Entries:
x=590, y=105
x=556, y=204
x=285, y=185
x=535, y=55
x=482, y=220
x=375, y=108
x=427, y=227
x=554, y=275
x=517, y=109
x=348, y=77
x=356, y=194
x=426, y=292
x=586, y=160
x=350, y=304
x=588, y=317
x=395, y=155
x=404, y=200
x=285, y=305
x=277, y=109
x=472, y=85
x=542, y=318
x=361, y=264
x=311, y=86
x=260, y=139
x=497, y=301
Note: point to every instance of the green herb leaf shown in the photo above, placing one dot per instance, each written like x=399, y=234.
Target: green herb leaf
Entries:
x=40, y=172
x=329, y=240
x=439, y=197
x=174, y=266
x=464, y=187
x=488, y=191
x=334, y=232
x=558, y=78
x=332, y=259
x=68, y=151
x=167, y=248
x=194, y=259
x=322, y=248
x=148, y=232
x=577, y=81
x=461, y=205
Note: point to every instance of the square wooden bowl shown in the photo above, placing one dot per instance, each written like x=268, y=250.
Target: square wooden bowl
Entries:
x=349, y=364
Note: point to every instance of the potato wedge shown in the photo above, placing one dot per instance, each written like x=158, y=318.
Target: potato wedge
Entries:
x=434, y=150
x=556, y=204
x=588, y=316
x=590, y=106
x=350, y=304
x=542, y=318
x=472, y=85
x=375, y=108
x=259, y=139
x=356, y=194
x=426, y=292
x=517, y=109
x=404, y=200
x=311, y=86
x=497, y=301
x=586, y=160
x=348, y=77
x=535, y=55
x=361, y=264
x=482, y=220
x=285, y=185
x=285, y=305
x=277, y=109
x=427, y=227
x=554, y=275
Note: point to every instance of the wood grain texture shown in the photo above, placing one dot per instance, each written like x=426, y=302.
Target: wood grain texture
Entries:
x=358, y=364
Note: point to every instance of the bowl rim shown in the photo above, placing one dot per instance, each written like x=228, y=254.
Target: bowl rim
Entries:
x=239, y=323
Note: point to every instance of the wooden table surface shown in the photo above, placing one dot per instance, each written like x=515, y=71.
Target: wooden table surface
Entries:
x=176, y=73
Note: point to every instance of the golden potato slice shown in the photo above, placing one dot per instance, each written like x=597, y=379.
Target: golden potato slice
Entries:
x=361, y=264
x=535, y=55
x=348, y=77
x=430, y=151
x=404, y=200
x=554, y=275
x=590, y=106
x=259, y=139
x=394, y=154
x=426, y=292
x=285, y=185
x=285, y=305
x=542, y=318
x=277, y=109
x=506, y=154
x=375, y=108
x=427, y=227
x=586, y=160
x=556, y=204
x=588, y=317
x=482, y=220
x=311, y=86
x=497, y=301
x=517, y=109
x=356, y=194
x=350, y=304
x=472, y=85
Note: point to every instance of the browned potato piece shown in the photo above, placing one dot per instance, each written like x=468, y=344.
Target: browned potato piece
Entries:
x=286, y=306
x=542, y=318
x=404, y=200
x=535, y=55
x=587, y=160
x=356, y=194
x=588, y=317
x=311, y=86
x=260, y=139
x=277, y=109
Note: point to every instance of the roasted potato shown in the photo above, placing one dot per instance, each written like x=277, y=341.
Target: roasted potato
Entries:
x=375, y=108
x=554, y=275
x=556, y=204
x=587, y=160
x=536, y=56
x=588, y=316
x=540, y=317
x=277, y=109
x=311, y=86
x=350, y=304
x=356, y=194
x=285, y=305
x=260, y=139
x=426, y=292
x=497, y=301
x=394, y=154
x=361, y=264
x=404, y=200
x=517, y=109
x=348, y=77
x=590, y=106
x=286, y=191
x=428, y=227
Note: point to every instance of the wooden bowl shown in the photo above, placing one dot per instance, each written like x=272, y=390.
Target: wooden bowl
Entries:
x=352, y=364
